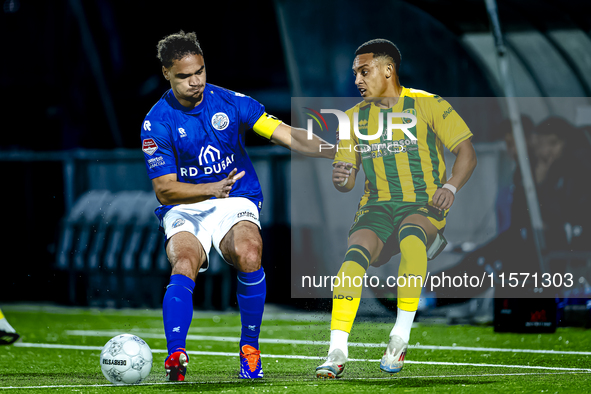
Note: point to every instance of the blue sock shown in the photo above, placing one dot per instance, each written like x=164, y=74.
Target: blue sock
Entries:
x=177, y=310
x=251, y=293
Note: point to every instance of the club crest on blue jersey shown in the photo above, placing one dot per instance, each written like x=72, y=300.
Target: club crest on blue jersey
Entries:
x=220, y=121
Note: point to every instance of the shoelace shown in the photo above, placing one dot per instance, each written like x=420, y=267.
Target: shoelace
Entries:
x=252, y=358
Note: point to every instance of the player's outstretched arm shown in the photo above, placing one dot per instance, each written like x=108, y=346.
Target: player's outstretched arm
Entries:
x=343, y=176
x=171, y=192
x=461, y=172
x=297, y=139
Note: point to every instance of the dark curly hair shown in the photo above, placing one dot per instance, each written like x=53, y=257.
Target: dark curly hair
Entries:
x=381, y=48
x=176, y=46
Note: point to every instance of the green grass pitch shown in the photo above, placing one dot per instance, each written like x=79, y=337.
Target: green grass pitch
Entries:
x=60, y=350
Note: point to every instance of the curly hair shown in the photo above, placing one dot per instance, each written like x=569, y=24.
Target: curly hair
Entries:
x=176, y=46
x=381, y=48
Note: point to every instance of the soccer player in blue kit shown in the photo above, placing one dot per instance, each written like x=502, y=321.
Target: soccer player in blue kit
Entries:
x=193, y=143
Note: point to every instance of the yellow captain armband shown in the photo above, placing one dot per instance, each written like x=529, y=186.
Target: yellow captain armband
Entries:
x=266, y=125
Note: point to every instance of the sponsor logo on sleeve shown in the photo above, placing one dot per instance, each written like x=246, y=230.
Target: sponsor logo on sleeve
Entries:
x=220, y=121
x=149, y=146
x=447, y=112
x=156, y=161
x=147, y=125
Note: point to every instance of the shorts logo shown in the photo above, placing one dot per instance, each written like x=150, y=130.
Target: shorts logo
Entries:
x=246, y=214
x=411, y=111
x=220, y=121
x=359, y=214
x=149, y=146
x=177, y=223
x=182, y=132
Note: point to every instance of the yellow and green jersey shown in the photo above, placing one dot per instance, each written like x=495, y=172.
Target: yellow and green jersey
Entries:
x=402, y=169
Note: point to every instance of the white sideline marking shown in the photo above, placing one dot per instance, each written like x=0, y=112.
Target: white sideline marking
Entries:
x=267, y=327
x=298, y=357
x=59, y=346
x=304, y=379
x=93, y=333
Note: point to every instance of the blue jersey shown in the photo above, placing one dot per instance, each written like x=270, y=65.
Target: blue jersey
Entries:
x=203, y=144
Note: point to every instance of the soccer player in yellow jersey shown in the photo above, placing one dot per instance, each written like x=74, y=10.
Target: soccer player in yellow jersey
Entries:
x=407, y=192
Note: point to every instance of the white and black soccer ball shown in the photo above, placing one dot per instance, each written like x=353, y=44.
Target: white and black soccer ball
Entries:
x=126, y=359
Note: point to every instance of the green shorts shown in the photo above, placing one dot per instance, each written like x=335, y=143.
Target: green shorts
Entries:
x=384, y=219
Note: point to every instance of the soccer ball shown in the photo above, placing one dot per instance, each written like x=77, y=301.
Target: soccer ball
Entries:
x=126, y=359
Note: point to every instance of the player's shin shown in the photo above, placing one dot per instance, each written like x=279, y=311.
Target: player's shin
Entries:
x=177, y=311
x=347, y=296
x=251, y=292
x=411, y=274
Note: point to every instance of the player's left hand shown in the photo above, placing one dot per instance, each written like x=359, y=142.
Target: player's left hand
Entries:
x=234, y=176
x=443, y=199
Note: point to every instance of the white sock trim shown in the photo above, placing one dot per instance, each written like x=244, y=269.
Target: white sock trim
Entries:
x=339, y=340
x=4, y=325
x=403, y=324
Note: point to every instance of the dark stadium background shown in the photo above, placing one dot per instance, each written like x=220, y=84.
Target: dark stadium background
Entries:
x=52, y=100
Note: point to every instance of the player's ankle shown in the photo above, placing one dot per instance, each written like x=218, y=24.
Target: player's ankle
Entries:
x=339, y=340
x=181, y=350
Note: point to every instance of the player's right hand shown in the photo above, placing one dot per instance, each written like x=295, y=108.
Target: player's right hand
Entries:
x=222, y=188
x=341, y=172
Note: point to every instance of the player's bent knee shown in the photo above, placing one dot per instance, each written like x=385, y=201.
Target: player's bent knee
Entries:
x=408, y=230
x=424, y=224
x=186, y=265
x=248, y=256
x=369, y=240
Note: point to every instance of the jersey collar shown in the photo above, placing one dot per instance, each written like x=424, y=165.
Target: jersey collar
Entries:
x=174, y=103
x=403, y=92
